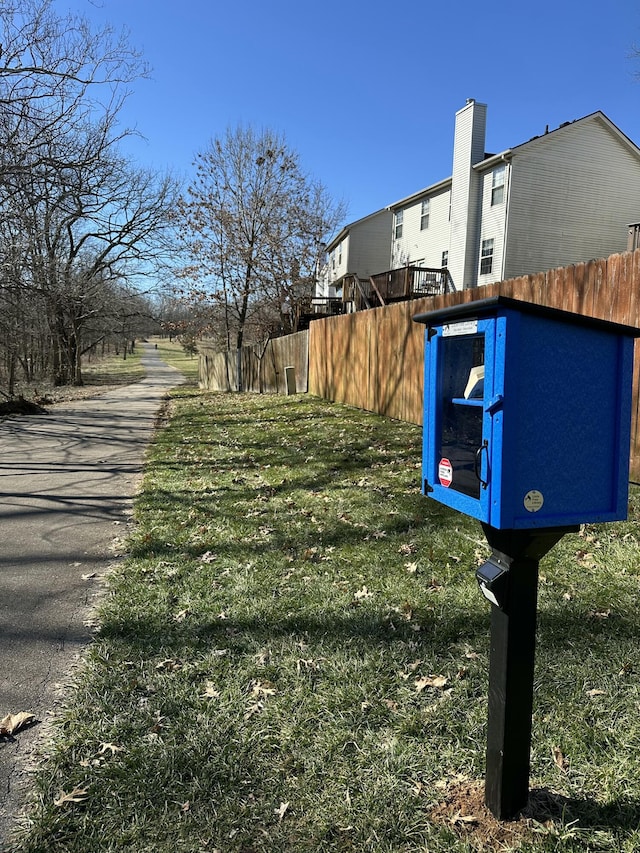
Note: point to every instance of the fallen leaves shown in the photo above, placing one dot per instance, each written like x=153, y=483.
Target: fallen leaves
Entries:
x=169, y=665
x=78, y=795
x=208, y=557
x=210, y=691
x=559, y=759
x=281, y=811
x=436, y=681
x=263, y=688
x=361, y=595
x=464, y=818
x=260, y=691
x=109, y=747
x=12, y=723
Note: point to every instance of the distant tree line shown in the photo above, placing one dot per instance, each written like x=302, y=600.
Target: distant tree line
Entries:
x=79, y=223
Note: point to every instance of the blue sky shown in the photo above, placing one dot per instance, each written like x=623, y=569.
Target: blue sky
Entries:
x=366, y=92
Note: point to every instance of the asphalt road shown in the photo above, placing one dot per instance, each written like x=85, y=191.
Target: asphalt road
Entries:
x=67, y=481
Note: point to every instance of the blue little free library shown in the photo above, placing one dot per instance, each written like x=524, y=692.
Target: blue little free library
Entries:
x=527, y=422
x=527, y=414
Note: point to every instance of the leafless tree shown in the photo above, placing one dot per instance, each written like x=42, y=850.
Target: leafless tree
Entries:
x=252, y=222
x=78, y=222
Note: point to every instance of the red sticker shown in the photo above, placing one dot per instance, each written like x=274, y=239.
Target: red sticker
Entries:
x=445, y=473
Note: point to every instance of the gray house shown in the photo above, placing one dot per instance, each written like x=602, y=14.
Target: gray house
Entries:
x=563, y=197
x=358, y=251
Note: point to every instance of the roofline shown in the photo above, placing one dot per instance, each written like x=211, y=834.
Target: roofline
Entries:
x=346, y=228
x=415, y=196
x=598, y=115
x=508, y=153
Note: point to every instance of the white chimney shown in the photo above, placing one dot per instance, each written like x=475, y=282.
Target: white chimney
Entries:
x=468, y=149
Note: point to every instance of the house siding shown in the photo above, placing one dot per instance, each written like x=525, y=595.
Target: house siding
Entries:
x=363, y=250
x=423, y=245
x=572, y=196
x=338, y=259
x=493, y=223
x=370, y=245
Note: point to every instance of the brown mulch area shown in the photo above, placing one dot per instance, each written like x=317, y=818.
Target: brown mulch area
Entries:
x=21, y=407
x=463, y=810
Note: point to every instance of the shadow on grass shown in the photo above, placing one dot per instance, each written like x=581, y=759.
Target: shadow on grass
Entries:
x=585, y=814
x=154, y=634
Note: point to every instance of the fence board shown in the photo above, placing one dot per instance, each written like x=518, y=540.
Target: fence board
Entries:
x=263, y=365
x=373, y=359
x=386, y=347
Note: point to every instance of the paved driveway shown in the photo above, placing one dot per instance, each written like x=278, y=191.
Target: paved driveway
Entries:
x=67, y=480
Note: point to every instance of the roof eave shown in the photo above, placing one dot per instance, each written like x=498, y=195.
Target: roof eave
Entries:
x=403, y=202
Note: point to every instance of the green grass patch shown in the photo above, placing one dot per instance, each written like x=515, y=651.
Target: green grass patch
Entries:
x=174, y=354
x=294, y=656
x=114, y=369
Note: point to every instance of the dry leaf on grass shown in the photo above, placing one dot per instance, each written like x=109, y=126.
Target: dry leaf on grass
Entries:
x=362, y=594
x=110, y=747
x=211, y=691
x=281, y=811
x=437, y=681
x=559, y=759
x=466, y=818
x=169, y=665
x=263, y=688
x=12, y=723
x=78, y=795
x=253, y=709
x=208, y=557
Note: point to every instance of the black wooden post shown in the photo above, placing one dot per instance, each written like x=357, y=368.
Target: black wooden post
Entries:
x=511, y=670
x=511, y=666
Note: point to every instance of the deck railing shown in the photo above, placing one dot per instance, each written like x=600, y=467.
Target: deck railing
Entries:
x=411, y=283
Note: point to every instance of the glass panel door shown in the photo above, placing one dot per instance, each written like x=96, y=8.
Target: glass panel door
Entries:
x=461, y=406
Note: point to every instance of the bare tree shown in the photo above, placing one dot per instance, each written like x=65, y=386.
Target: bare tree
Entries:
x=76, y=219
x=252, y=222
x=56, y=72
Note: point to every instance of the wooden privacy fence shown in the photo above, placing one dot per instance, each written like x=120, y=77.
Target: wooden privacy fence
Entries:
x=374, y=359
x=263, y=365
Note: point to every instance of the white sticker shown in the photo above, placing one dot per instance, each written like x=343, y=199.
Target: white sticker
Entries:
x=533, y=501
x=468, y=327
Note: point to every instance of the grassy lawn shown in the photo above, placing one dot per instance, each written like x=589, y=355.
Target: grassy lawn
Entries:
x=173, y=353
x=113, y=369
x=294, y=655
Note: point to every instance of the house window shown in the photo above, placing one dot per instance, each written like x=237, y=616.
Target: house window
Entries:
x=445, y=258
x=424, y=214
x=398, y=226
x=340, y=253
x=486, y=257
x=497, y=185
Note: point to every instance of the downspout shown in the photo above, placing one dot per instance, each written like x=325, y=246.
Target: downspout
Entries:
x=507, y=205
